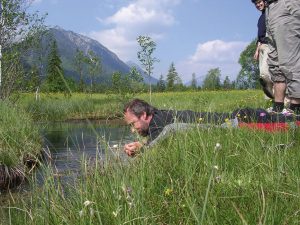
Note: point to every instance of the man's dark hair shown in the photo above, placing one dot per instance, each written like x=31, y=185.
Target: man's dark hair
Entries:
x=138, y=107
x=254, y=1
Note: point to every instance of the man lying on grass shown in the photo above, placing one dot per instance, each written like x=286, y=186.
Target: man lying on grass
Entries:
x=156, y=124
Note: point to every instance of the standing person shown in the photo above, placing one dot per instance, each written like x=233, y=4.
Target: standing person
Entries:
x=262, y=50
x=283, y=28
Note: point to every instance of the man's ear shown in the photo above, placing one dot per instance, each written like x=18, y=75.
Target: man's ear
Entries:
x=144, y=116
x=147, y=118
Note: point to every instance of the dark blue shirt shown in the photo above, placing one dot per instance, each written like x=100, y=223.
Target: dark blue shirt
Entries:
x=261, y=25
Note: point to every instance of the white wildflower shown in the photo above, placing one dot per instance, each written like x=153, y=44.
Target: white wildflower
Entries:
x=218, y=179
x=218, y=146
x=87, y=203
x=116, y=213
x=92, y=212
x=80, y=213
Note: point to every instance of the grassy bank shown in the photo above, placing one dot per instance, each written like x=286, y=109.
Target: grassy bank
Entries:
x=19, y=138
x=213, y=176
x=58, y=107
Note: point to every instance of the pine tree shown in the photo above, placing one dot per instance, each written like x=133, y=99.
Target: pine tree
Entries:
x=194, y=82
x=227, y=83
x=172, y=77
x=161, y=84
x=55, y=81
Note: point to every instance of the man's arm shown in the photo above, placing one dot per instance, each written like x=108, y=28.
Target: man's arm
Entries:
x=256, y=54
x=170, y=129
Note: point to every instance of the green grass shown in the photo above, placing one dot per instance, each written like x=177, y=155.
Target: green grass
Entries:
x=19, y=138
x=58, y=107
x=80, y=106
x=252, y=178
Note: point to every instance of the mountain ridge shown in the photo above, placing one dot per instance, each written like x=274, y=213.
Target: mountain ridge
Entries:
x=67, y=44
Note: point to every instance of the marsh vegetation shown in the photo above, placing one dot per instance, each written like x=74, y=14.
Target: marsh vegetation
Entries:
x=211, y=176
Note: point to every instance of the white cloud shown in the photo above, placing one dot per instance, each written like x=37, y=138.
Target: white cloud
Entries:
x=212, y=54
x=141, y=17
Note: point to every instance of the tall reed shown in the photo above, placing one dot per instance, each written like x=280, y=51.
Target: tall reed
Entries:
x=210, y=176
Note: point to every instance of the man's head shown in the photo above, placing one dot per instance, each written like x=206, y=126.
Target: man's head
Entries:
x=138, y=114
x=259, y=4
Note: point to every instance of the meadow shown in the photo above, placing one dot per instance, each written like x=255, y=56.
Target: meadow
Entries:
x=204, y=176
x=55, y=107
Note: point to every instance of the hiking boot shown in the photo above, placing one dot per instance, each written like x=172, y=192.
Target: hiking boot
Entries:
x=288, y=112
x=285, y=112
x=267, y=88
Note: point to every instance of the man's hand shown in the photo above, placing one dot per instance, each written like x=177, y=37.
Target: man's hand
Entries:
x=256, y=55
x=131, y=148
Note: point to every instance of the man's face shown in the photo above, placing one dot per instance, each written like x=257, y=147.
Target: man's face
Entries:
x=139, y=124
x=260, y=5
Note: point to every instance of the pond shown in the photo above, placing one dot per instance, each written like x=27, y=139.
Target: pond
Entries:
x=66, y=144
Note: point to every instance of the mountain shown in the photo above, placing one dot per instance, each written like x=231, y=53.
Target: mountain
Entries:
x=68, y=42
x=199, y=81
x=142, y=72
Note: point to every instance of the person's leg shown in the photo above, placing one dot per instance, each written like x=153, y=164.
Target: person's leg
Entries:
x=279, y=91
x=289, y=50
x=284, y=63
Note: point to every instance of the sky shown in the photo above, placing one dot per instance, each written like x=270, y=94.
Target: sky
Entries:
x=195, y=35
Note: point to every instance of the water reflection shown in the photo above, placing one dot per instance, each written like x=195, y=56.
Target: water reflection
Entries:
x=66, y=143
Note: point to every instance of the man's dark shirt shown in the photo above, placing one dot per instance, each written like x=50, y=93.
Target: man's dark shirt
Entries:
x=161, y=118
x=261, y=25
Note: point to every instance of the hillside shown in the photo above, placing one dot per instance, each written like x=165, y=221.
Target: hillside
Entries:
x=68, y=42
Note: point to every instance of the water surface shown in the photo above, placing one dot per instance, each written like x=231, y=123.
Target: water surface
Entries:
x=67, y=143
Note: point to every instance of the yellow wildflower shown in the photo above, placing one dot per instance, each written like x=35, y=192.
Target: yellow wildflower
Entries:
x=168, y=192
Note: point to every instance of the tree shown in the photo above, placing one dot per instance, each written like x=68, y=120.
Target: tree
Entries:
x=95, y=67
x=173, y=78
x=117, y=82
x=79, y=62
x=135, y=75
x=212, y=79
x=33, y=79
x=161, y=84
x=19, y=30
x=145, y=56
x=55, y=81
x=135, y=80
x=227, y=83
x=194, y=82
x=249, y=74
